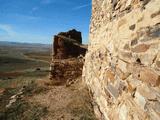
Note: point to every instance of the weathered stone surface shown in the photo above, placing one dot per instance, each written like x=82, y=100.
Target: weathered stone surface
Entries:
x=141, y=48
x=121, y=74
x=127, y=73
x=121, y=23
x=134, y=42
x=132, y=27
x=155, y=14
x=157, y=107
x=66, y=69
x=73, y=34
x=127, y=47
x=122, y=65
x=68, y=44
x=110, y=75
x=158, y=64
x=123, y=113
x=67, y=59
x=150, y=77
x=144, y=74
x=140, y=100
x=112, y=91
x=146, y=92
x=133, y=84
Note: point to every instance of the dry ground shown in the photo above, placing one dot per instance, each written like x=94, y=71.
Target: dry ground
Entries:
x=66, y=103
x=45, y=100
x=41, y=99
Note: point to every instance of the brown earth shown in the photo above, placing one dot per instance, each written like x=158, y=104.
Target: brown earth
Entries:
x=10, y=74
x=47, y=100
x=65, y=103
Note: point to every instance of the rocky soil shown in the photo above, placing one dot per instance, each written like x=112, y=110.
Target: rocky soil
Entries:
x=71, y=102
x=48, y=100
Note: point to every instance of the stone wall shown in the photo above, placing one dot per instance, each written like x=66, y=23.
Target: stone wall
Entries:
x=122, y=65
x=66, y=69
x=68, y=44
x=68, y=56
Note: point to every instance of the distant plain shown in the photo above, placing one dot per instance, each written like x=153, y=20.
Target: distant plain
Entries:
x=21, y=63
x=24, y=81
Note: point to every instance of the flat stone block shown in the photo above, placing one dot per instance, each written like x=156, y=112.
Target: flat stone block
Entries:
x=112, y=91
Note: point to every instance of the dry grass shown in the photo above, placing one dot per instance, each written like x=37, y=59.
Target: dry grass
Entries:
x=44, y=100
x=17, y=71
x=66, y=103
x=22, y=109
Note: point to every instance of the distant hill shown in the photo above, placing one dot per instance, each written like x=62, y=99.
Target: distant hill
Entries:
x=7, y=43
x=25, y=47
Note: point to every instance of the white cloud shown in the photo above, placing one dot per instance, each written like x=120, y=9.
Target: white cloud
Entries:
x=7, y=28
x=81, y=6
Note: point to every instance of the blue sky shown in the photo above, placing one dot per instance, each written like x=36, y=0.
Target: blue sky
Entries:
x=38, y=20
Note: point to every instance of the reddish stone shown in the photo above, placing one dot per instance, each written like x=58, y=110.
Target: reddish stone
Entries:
x=135, y=2
x=68, y=44
x=141, y=48
x=2, y=90
x=62, y=70
x=66, y=65
x=150, y=77
x=110, y=75
x=144, y=74
x=121, y=74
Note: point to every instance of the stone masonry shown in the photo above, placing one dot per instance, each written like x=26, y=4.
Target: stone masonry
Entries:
x=68, y=44
x=122, y=65
x=67, y=59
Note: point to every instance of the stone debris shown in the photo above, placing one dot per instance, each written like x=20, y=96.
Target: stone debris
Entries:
x=14, y=98
x=122, y=64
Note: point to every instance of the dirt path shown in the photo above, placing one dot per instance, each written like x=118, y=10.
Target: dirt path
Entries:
x=66, y=103
x=34, y=59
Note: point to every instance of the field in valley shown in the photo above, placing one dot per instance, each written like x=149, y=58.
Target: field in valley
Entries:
x=16, y=65
x=18, y=70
